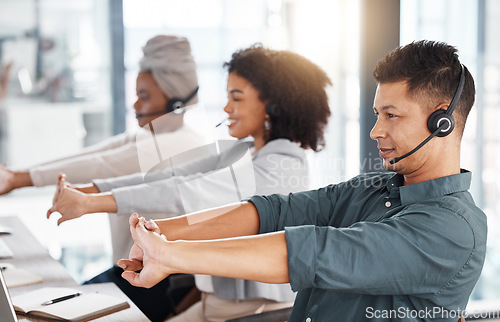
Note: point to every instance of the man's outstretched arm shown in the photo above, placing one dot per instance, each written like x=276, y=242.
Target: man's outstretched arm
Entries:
x=234, y=220
x=260, y=258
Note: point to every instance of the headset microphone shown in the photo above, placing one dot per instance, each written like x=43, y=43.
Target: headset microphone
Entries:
x=441, y=122
x=138, y=115
x=397, y=159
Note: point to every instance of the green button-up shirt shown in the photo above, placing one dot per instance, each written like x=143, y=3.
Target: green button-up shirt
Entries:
x=371, y=249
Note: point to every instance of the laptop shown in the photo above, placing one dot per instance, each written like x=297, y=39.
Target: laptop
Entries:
x=7, y=313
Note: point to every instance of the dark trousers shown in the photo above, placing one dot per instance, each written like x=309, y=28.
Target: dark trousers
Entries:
x=153, y=302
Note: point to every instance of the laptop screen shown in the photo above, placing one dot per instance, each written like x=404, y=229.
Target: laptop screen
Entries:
x=7, y=312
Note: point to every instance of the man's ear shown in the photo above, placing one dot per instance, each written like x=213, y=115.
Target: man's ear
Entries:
x=442, y=106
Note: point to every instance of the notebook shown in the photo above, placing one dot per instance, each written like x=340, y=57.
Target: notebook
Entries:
x=7, y=313
x=81, y=307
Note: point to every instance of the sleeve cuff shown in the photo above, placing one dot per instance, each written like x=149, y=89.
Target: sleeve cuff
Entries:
x=122, y=199
x=262, y=205
x=301, y=248
x=39, y=180
x=102, y=185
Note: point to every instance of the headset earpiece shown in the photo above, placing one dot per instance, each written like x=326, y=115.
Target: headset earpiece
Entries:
x=177, y=105
x=439, y=118
x=271, y=109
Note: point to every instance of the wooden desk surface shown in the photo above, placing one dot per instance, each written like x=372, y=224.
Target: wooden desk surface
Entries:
x=30, y=255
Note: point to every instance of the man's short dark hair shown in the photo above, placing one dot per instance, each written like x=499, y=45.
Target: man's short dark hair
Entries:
x=431, y=70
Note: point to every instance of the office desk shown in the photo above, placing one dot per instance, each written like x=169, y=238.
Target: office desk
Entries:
x=29, y=254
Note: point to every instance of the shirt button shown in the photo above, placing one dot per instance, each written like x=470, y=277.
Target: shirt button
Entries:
x=308, y=320
x=388, y=204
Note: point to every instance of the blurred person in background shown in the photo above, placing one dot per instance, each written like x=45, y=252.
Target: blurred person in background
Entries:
x=166, y=83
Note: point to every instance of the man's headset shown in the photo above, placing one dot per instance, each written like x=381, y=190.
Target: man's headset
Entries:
x=441, y=122
x=176, y=105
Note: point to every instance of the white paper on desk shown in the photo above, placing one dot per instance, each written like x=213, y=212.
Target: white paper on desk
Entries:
x=81, y=308
x=18, y=277
x=34, y=299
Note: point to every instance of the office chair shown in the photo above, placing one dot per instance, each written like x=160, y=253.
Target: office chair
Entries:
x=182, y=292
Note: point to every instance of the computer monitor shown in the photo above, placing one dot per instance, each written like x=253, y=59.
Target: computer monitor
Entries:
x=7, y=312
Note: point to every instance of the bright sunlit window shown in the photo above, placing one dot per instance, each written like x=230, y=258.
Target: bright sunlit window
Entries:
x=319, y=30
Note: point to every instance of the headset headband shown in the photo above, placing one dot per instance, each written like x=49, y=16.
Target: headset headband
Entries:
x=458, y=92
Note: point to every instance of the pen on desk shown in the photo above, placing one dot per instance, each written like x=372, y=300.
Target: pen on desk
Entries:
x=60, y=299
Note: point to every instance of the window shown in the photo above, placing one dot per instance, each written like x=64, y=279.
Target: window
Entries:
x=58, y=101
x=60, y=62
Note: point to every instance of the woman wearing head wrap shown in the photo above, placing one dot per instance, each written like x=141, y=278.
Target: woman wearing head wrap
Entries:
x=167, y=80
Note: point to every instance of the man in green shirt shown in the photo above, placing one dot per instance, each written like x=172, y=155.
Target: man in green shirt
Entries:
x=402, y=245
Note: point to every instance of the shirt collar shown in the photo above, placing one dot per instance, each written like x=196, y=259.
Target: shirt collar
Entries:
x=431, y=188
